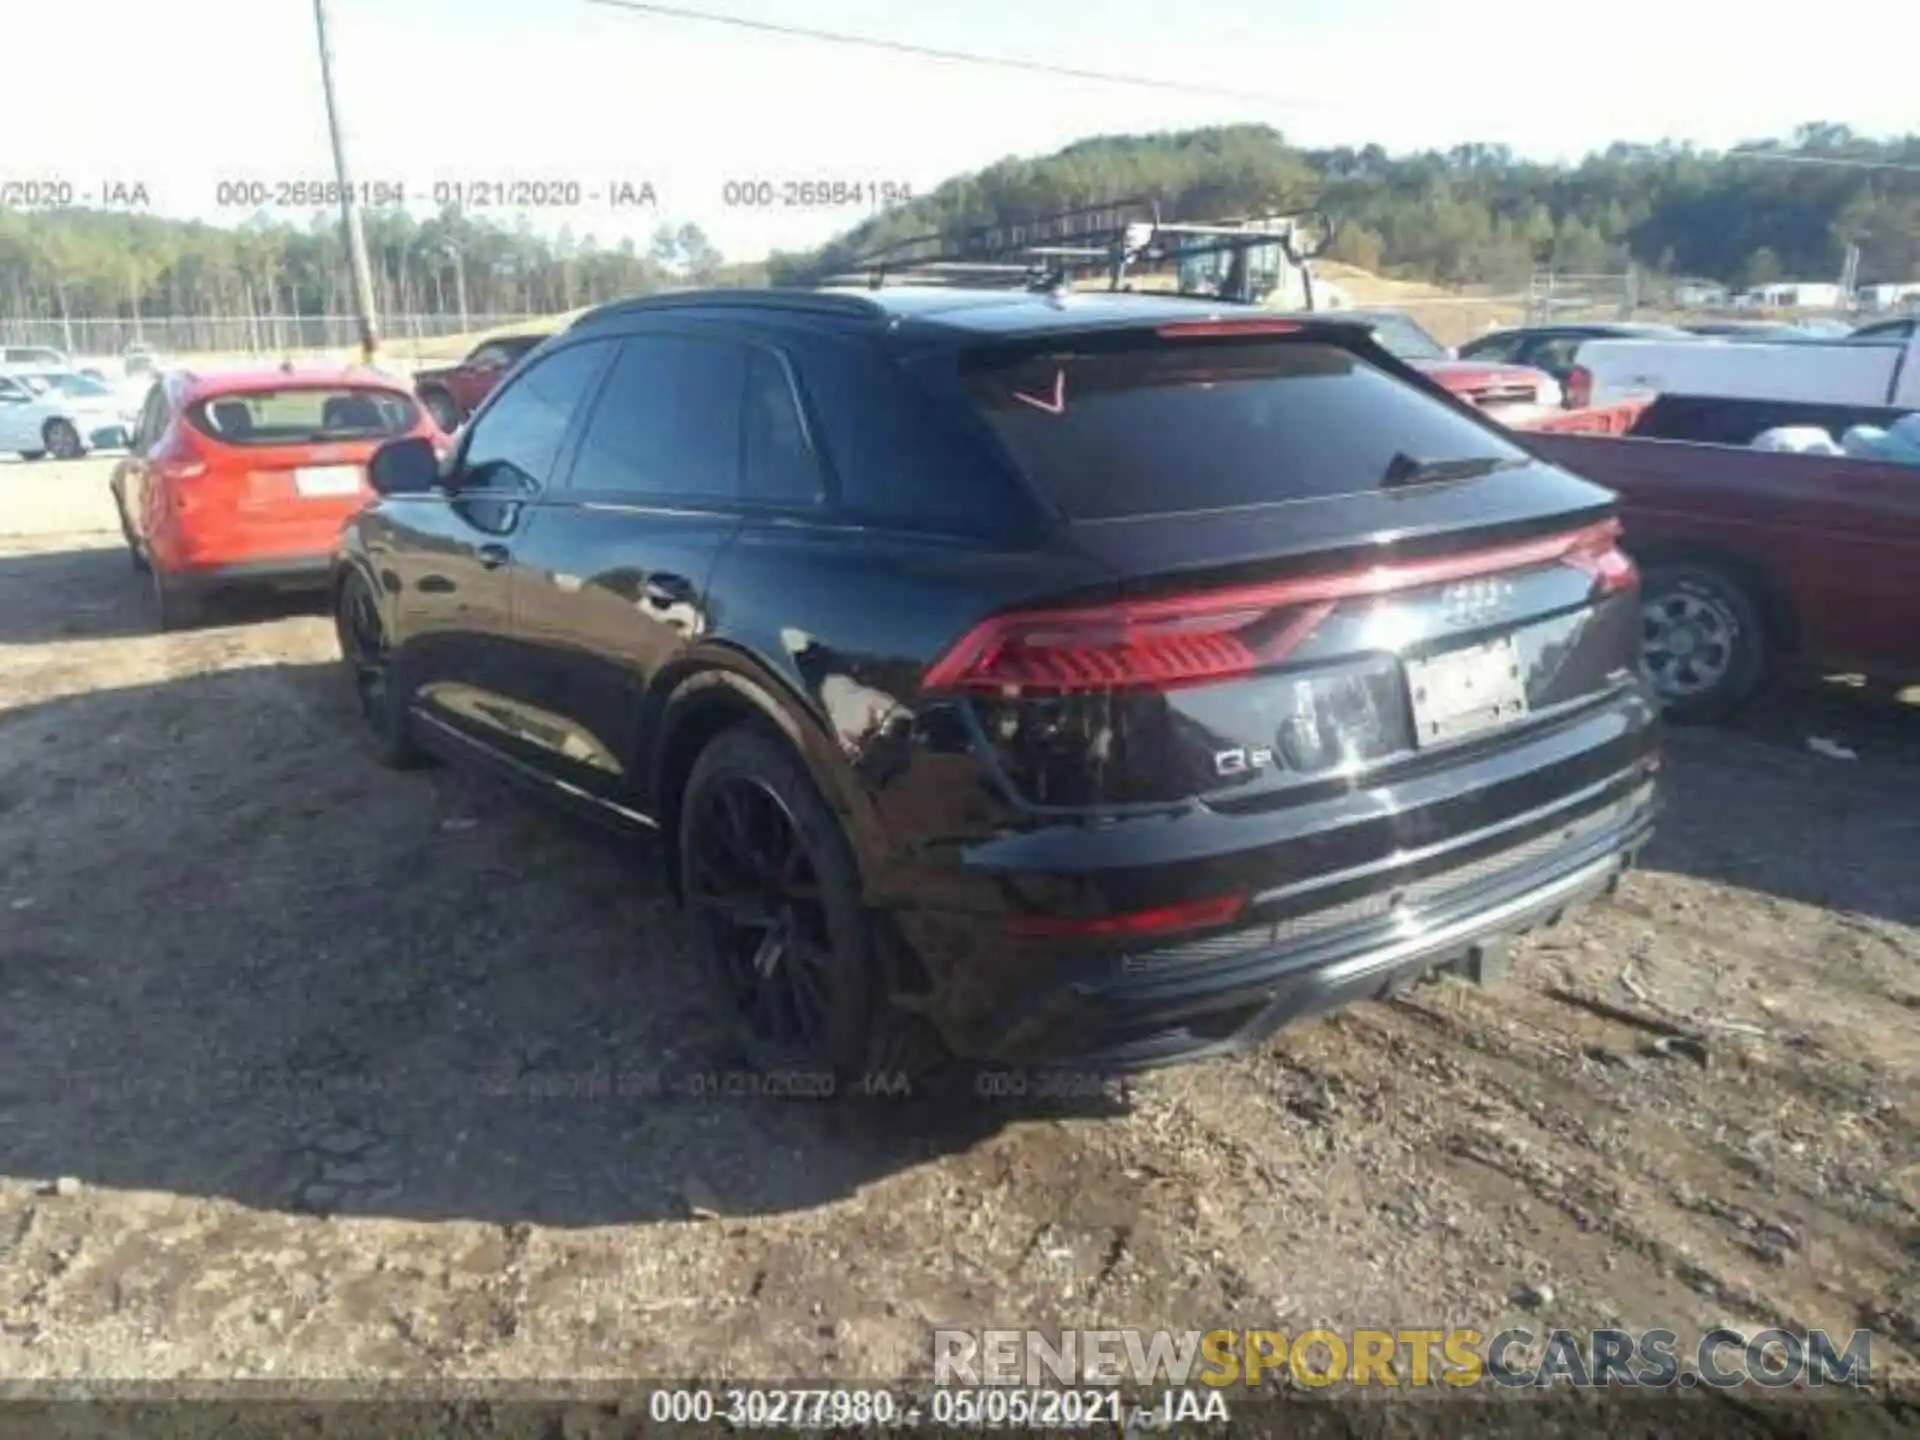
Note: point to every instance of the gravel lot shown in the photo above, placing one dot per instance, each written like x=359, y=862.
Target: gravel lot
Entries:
x=346, y=1072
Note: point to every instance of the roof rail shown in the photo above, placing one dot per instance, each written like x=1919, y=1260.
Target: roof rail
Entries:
x=1036, y=251
x=815, y=301
x=1104, y=241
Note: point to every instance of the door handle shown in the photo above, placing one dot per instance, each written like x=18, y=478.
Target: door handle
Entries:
x=494, y=556
x=664, y=590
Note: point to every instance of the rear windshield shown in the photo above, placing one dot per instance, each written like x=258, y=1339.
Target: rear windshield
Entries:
x=305, y=415
x=1400, y=336
x=1172, y=427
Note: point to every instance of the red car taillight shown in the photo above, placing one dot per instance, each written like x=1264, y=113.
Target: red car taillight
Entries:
x=1579, y=388
x=1132, y=924
x=1154, y=646
x=1221, y=634
x=1600, y=555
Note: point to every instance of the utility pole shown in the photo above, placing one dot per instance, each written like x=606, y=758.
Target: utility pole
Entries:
x=356, y=240
x=460, y=284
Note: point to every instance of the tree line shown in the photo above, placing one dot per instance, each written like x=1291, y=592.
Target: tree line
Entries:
x=1478, y=214
x=80, y=263
x=1473, y=214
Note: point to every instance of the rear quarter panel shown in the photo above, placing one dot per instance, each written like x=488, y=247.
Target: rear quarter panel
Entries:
x=1837, y=539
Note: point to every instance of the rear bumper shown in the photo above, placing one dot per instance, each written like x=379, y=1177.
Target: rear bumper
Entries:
x=281, y=572
x=1347, y=894
x=1187, y=1004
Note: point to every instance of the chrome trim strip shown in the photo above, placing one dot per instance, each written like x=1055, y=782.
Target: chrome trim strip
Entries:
x=520, y=767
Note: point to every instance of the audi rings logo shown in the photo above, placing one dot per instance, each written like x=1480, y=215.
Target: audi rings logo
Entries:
x=1475, y=602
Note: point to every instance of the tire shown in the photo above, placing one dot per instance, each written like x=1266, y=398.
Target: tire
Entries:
x=811, y=920
x=364, y=654
x=176, y=608
x=141, y=565
x=445, y=413
x=33, y=454
x=1704, y=639
x=63, y=441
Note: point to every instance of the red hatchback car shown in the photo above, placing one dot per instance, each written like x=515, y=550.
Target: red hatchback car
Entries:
x=245, y=478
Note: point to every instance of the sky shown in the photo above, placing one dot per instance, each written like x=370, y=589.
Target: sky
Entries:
x=181, y=95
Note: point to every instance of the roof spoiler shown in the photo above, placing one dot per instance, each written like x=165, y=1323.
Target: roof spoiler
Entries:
x=1110, y=240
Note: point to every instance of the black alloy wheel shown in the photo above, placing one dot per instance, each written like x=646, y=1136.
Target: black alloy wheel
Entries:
x=801, y=971
x=757, y=894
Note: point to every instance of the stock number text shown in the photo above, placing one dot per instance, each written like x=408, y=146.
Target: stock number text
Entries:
x=306, y=194
x=812, y=194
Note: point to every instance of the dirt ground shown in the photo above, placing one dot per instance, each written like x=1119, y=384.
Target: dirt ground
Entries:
x=310, y=1070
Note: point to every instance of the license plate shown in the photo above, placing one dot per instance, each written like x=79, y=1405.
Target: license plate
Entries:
x=327, y=480
x=1465, y=691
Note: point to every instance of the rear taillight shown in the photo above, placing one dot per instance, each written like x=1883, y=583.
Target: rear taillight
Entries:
x=1153, y=646
x=1221, y=634
x=1579, y=388
x=1600, y=555
x=1132, y=924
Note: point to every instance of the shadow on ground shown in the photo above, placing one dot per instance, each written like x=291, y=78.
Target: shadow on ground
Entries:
x=96, y=594
x=240, y=960
x=1752, y=804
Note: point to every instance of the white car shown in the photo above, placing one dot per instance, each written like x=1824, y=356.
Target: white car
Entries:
x=61, y=413
x=44, y=357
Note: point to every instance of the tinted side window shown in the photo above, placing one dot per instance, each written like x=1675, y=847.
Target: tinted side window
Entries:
x=153, y=419
x=900, y=457
x=781, y=467
x=1556, y=353
x=667, y=422
x=1500, y=348
x=515, y=439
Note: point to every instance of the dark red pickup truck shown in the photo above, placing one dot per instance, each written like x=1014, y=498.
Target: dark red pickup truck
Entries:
x=452, y=392
x=1753, y=559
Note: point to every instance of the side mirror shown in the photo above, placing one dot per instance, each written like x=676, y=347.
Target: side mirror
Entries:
x=408, y=466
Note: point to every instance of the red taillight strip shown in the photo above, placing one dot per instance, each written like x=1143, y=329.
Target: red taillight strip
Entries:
x=1204, y=329
x=1161, y=920
x=1593, y=548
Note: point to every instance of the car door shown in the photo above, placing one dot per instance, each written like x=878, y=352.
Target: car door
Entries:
x=611, y=586
x=17, y=430
x=448, y=557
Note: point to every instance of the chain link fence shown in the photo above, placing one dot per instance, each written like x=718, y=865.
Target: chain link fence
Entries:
x=1568, y=297
x=175, y=336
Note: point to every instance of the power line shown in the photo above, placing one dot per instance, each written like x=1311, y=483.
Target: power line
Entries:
x=901, y=47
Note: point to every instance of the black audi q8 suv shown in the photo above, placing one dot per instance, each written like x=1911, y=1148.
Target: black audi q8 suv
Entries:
x=1040, y=679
